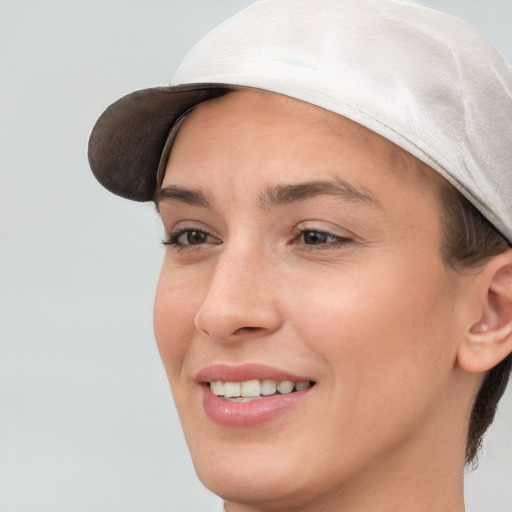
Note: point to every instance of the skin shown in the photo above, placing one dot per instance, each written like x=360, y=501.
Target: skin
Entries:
x=369, y=311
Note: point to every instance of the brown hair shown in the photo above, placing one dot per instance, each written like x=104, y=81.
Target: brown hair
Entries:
x=469, y=241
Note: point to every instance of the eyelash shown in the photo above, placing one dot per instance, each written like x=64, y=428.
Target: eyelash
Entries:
x=174, y=238
x=335, y=242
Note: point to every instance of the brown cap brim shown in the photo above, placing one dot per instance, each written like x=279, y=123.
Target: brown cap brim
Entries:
x=128, y=138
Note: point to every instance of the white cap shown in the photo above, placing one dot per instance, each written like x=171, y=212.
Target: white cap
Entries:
x=426, y=81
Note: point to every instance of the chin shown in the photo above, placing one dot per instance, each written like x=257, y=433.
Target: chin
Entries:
x=276, y=491
x=254, y=474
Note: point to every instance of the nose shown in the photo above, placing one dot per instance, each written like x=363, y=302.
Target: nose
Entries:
x=241, y=300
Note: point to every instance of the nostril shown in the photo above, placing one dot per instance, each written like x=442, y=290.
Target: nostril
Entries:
x=246, y=329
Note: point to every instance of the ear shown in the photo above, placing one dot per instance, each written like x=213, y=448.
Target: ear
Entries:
x=488, y=340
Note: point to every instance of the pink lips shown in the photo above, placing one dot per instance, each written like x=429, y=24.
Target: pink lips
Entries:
x=248, y=371
x=252, y=413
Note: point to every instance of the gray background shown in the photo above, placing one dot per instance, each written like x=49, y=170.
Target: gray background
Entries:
x=87, y=422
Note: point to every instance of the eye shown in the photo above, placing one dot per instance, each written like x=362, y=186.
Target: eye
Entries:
x=188, y=237
x=321, y=239
x=311, y=237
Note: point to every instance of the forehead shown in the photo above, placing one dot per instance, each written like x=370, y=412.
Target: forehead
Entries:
x=285, y=127
x=261, y=128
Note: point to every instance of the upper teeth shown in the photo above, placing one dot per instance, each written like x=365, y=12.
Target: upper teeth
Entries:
x=255, y=388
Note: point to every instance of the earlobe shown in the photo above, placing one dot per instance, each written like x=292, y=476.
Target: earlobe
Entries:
x=489, y=340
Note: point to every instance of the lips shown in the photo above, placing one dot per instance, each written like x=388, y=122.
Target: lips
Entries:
x=251, y=394
x=248, y=371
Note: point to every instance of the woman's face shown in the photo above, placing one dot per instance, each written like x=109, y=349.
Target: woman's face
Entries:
x=303, y=249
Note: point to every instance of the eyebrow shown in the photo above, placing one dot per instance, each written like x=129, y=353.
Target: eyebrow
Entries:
x=184, y=195
x=277, y=195
x=285, y=194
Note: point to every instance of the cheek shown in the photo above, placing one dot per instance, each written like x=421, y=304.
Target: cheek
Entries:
x=384, y=329
x=173, y=322
x=387, y=357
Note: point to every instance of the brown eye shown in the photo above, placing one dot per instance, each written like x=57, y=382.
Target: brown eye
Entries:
x=315, y=237
x=187, y=237
x=194, y=237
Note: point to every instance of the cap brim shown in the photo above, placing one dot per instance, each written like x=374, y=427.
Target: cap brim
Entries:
x=127, y=140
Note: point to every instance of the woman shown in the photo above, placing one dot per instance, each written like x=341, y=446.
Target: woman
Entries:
x=334, y=311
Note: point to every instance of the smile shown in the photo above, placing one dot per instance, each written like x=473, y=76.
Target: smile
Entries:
x=255, y=389
x=251, y=394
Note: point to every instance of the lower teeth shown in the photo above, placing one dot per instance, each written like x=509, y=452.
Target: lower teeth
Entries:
x=248, y=399
x=242, y=398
